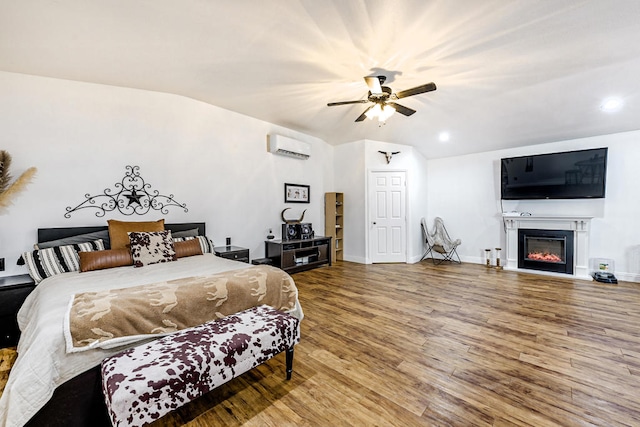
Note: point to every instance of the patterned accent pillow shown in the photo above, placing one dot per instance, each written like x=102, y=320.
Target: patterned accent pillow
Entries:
x=43, y=263
x=151, y=247
x=205, y=243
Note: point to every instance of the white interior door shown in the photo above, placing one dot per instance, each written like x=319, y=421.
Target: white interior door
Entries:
x=387, y=211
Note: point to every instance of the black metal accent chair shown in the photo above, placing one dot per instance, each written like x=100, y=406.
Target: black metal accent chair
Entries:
x=439, y=242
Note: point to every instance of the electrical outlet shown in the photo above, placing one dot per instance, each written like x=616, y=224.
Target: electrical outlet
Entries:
x=1, y=264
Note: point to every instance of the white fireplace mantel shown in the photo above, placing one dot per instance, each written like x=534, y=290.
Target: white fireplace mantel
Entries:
x=580, y=225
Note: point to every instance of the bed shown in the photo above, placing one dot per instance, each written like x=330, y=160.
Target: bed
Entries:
x=48, y=384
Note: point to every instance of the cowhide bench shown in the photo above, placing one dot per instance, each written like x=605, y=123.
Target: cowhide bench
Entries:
x=143, y=383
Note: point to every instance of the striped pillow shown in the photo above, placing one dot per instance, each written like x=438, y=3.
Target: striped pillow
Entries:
x=205, y=244
x=43, y=263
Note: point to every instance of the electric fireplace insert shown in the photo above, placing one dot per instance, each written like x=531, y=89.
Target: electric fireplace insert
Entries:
x=546, y=250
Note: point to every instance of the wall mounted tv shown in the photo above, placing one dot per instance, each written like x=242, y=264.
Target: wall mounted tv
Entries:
x=568, y=175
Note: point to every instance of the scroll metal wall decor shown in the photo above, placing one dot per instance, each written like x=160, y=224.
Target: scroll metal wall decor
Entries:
x=131, y=196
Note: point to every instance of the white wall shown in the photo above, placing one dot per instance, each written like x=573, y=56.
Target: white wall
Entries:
x=415, y=166
x=465, y=192
x=418, y=172
x=353, y=162
x=349, y=179
x=81, y=136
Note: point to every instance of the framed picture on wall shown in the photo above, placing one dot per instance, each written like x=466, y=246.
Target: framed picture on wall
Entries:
x=296, y=193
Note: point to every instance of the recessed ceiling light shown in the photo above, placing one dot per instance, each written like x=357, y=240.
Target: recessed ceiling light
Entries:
x=611, y=105
x=444, y=136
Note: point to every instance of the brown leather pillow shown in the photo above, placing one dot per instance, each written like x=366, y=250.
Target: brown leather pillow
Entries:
x=99, y=260
x=118, y=230
x=187, y=248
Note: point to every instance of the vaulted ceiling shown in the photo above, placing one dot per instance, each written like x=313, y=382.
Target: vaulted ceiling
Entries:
x=509, y=73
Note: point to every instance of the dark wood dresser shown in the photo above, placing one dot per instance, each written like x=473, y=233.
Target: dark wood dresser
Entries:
x=299, y=255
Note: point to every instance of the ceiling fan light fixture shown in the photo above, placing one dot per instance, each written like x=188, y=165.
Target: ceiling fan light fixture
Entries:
x=383, y=100
x=382, y=112
x=373, y=112
x=386, y=112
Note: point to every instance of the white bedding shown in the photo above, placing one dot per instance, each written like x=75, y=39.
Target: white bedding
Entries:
x=42, y=362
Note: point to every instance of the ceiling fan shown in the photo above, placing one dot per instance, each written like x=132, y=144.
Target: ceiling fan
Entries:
x=382, y=98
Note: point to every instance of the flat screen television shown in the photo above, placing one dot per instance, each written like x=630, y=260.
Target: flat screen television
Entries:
x=567, y=175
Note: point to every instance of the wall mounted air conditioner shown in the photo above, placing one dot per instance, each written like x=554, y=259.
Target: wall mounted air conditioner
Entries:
x=285, y=146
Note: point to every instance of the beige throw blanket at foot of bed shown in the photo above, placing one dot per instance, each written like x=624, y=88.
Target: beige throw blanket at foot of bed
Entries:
x=116, y=317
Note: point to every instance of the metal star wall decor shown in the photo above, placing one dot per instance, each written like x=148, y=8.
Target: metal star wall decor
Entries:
x=131, y=196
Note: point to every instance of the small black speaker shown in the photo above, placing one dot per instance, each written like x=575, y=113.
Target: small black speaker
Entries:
x=290, y=232
x=306, y=231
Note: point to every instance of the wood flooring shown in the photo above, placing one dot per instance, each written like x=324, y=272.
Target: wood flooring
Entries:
x=448, y=345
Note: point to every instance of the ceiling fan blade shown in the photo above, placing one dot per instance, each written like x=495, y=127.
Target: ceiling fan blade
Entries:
x=402, y=109
x=374, y=84
x=363, y=116
x=416, y=90
x=362, y=101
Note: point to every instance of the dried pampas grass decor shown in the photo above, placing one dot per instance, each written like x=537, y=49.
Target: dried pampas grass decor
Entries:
x=5, y=176
x=10, y=190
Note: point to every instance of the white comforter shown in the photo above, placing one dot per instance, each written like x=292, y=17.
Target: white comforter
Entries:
x=42, y=362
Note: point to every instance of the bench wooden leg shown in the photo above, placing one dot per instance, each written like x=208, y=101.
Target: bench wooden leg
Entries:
x=289, y=362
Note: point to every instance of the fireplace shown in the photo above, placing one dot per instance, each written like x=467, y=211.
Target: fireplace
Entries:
x=577, y=226
x=546, y=250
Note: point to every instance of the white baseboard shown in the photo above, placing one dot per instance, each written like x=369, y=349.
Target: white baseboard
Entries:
x=359, y=260
x=625, y=277
x=628, y=277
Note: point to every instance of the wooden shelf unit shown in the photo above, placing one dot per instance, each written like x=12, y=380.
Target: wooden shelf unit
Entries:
x=334, y=222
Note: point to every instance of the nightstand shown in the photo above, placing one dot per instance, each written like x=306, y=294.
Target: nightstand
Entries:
x=232, y=252
x=13, y=291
